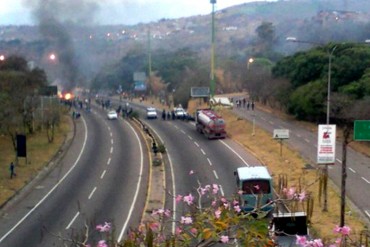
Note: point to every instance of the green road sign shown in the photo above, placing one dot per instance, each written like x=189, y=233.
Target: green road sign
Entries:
x=362, y=130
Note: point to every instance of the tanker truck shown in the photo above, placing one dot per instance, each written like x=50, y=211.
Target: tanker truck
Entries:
x=210, y=124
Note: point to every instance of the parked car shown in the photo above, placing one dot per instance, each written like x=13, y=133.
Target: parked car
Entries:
x=112, y=115
x=151, y=113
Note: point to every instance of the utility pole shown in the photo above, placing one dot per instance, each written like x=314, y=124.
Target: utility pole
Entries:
x=213, y=83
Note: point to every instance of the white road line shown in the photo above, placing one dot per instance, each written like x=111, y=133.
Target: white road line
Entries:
x=191, y=138
x=367, y=181
x=110, y=133
x=306, y=140
x=182, y=131
x=209, y=162
x=52, y=189
x=196, y=144
x=339, y=160
x=91, y=193
x=221, y=190
x=351, y=170
x=202, y=151
x=111, y=141
x=108, y=162
x=215, y=173
x=103, y=173
x=74, y=218
x=111, y=150
x=138, y=185
x=272, y=123
x=298, y=135
x=264, y=119
x=367, y=213
x=240, y=157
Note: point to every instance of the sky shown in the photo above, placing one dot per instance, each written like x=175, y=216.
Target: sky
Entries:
x=127, y=12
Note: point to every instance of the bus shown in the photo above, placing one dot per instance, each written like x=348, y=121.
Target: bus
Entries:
x=255, y=188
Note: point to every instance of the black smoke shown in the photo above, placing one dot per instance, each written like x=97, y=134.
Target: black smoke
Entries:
x=56, y=19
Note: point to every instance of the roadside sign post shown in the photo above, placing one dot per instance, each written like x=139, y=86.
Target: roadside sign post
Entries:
x=281, y=134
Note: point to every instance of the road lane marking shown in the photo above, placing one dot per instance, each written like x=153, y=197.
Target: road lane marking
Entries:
x=339, y=160
x=351, y=170
x=103, y=173
x=110, y=133
x=182, y=131
x=92, y=193
x=367, y=181
x=191, y=138
x=367, y=213
x=111, y=150
x=221, y=190
x=111, y=141
x=240, y=157
x=306, y=140
x=298, y=135
x=196, y=144
x=202, y=151
x=108, y=162
x=272, y=123
x=209, y=162
x=215, y=173
x=52, y=189
x=73, y=219
x=138, y=185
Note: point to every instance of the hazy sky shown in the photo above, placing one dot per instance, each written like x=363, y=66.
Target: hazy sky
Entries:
x=127, y=12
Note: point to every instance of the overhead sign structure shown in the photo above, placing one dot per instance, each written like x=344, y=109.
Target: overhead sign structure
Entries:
x=281, y=134
x=199, y=92
x=326, y=144
x=362, y=130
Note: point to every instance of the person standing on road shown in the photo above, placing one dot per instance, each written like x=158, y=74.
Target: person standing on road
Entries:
x=252, y=105
x=11, y=169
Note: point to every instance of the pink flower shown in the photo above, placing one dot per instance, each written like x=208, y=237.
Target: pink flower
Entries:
x=215, y=188
x=178, y=198
x=102, y=243
x=291, y=192
x=214, y=203
x=189, y=199
x=194, y=230
x=217, y=213
x=337, y=229
x=178, y=230
x=154, y=226
x=104, y=228
x=224, y=239
x=237, y=208
x=240, y=192
x=301, y=240
x=346, y=230
x=186, y=220
x=302, y=196
x=191, y=172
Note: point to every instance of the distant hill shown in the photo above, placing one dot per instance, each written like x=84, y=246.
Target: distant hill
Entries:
x=320, y=21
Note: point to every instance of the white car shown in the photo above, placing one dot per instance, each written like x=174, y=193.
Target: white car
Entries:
x=180, y=113
x=151, y=113
x=112, y=115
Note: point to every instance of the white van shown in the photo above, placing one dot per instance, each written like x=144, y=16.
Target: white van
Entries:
x=221, y=101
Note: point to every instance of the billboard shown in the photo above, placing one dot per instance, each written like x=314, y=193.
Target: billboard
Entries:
x=326, y=144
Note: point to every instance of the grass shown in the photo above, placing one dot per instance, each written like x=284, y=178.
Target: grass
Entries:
x=39, y=152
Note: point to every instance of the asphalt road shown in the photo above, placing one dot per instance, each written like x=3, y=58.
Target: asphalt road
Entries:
x=101, y=178
x=304, y=141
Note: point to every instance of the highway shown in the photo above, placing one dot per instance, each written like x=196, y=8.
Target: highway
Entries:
x=101, y=178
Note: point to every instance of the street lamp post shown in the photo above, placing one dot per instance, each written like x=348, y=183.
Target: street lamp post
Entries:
x=325, y=170
x=212, y=83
